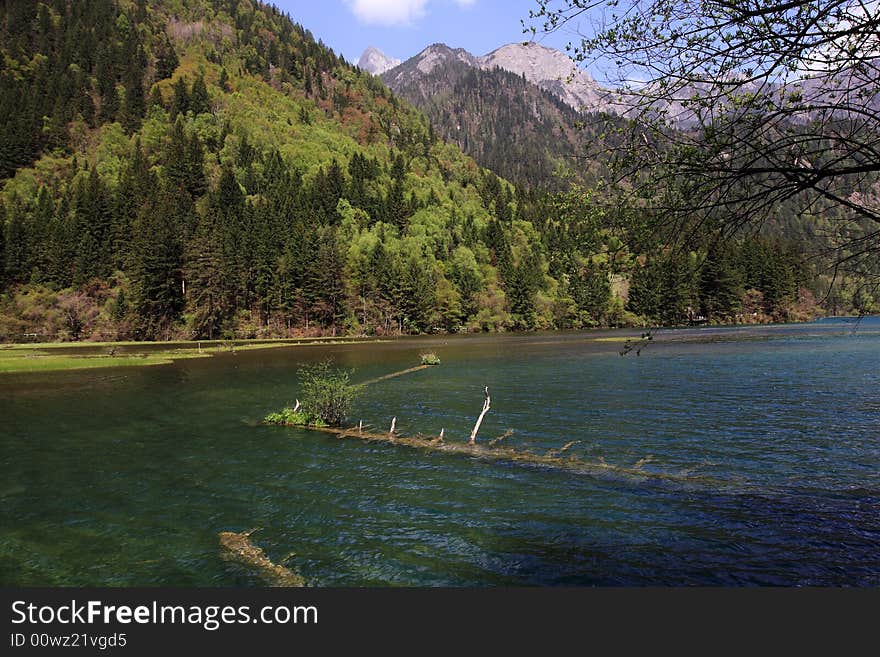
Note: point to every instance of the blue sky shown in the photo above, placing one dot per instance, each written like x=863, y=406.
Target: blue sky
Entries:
x=402, y=28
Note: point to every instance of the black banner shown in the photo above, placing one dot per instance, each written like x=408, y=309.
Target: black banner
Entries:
x=321, y=621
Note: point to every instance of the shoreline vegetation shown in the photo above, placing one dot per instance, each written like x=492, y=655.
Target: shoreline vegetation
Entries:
x=60, y=356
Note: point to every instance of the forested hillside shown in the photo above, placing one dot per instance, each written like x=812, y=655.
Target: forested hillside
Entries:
x=207, y=168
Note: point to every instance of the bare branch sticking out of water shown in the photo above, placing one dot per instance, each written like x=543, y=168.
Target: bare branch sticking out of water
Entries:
x=486, y=407
x=643, y=462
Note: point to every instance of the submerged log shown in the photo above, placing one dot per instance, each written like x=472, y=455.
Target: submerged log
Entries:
x=495, y=452
x=237, y=547
x=567, y=463
x=408, y=370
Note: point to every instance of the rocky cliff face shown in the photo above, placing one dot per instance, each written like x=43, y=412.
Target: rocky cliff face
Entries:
x=551, y=70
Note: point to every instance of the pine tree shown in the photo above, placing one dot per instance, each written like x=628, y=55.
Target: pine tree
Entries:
x=414, y=292
x=207, y=281
x=16, y=247
x=664, y=290
x=397, y=210
x=194, y=165
x=166, y=58
x=199, y=101
x=107, y=83
x=175, y=157
x=93, y=211
x=179, y=99
x=591, y=290
x=497, y=242
x=38, y=233
x=155, y=266
x=133, y=80
x=2, y=245
x=720, y=285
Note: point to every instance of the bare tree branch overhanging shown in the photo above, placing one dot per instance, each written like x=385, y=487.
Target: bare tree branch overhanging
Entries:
x=738, y=106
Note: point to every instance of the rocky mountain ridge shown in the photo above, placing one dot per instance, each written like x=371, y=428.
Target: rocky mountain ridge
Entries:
x=549, y=69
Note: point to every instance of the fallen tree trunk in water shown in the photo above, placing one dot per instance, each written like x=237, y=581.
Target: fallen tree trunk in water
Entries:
x=409, y=370
x=499, y=453
x=237, y=547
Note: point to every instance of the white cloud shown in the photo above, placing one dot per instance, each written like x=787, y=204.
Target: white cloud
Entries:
x=394, y=12
x=388, y=12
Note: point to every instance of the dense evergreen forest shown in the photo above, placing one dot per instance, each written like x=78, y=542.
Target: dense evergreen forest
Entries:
x=208, y=169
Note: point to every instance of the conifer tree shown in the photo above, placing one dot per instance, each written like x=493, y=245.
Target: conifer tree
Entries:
x=166, y=57
x=207, y=281
x=93, y=211
x=155, y=265
x=199, y=101
x=720, y=285
x=133, y=80
x=2, y=245
x=179, y=98
x=16, y=251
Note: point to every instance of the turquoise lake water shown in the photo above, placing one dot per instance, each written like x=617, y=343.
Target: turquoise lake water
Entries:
x=124, y=477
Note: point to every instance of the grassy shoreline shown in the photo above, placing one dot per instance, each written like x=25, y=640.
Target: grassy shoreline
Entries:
x=47, y=356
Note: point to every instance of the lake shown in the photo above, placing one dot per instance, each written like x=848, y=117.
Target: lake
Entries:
x=770, y=435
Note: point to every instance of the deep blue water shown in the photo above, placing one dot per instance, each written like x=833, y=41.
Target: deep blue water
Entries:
x=772, y=435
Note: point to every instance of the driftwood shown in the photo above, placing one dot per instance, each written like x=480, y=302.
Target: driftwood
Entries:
x=237, y=547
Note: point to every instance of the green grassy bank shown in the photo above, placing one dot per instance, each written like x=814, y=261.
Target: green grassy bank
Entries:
x=56, y=356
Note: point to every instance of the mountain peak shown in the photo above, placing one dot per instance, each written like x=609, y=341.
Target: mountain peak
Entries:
x=550, y=69
x=375, y=61
x=432, y=57
x=440, y=53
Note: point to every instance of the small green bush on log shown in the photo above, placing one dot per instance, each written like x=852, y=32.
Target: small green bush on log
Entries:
x=327, y=393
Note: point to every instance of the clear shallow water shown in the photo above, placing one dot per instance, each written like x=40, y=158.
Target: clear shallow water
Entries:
x=118, y=477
